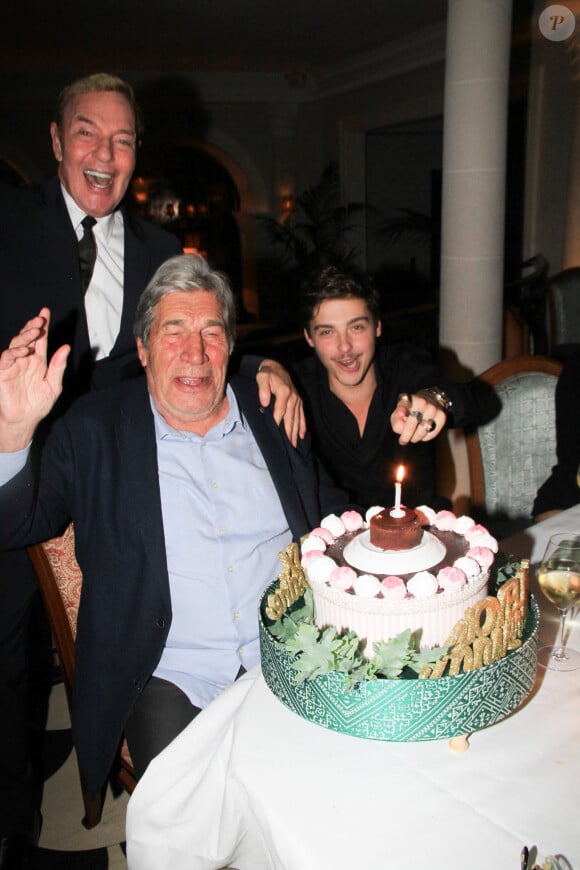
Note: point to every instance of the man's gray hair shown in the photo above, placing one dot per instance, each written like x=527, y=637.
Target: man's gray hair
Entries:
x=98, y=82
x=186, y=272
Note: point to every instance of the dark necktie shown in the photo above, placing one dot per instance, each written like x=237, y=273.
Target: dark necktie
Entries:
x=87, y=251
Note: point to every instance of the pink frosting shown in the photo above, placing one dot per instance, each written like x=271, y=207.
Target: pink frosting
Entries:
x=445, y=521
x=342, y=578
x=309, y=557
x=482, y=555
x=325, y=534
x=352, y=521
x=451, y=578
x=393, y=587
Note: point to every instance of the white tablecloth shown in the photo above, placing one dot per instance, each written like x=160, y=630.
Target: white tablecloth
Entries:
x=251, y=785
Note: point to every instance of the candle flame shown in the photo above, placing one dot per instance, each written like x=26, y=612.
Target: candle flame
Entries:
x=400, y=473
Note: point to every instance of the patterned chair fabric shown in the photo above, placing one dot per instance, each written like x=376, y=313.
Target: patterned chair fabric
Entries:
x=60, y=552
x=511, y=455
x=519, y=447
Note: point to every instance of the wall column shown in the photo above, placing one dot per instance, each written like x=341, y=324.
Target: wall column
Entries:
x=473, y=206
x=474, y=161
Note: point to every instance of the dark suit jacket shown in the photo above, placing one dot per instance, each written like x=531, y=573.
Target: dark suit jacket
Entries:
x=99, y=468
x=39, y=266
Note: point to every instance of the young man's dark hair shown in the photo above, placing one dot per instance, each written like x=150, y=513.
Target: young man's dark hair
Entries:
x=330, y=282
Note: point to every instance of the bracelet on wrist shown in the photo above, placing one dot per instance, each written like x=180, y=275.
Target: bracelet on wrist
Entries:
x=437, y=397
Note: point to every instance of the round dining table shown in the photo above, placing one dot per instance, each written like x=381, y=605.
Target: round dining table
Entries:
x=251, y=785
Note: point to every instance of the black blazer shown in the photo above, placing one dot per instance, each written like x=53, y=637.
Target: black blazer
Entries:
x=39, y=266
x=99, y=468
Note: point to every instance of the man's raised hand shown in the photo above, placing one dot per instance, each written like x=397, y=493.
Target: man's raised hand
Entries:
x=29, y=386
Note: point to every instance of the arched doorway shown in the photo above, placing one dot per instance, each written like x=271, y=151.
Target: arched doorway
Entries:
x=194, y=196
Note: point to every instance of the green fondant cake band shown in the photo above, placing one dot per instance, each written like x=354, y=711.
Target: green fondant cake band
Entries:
x=405, y=710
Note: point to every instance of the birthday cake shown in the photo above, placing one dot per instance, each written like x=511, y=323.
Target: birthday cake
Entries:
x=378, y=592
x=399, y=645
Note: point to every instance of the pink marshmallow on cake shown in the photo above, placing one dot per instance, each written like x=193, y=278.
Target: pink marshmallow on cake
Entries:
x=326, y=536
x=476, y=529
x=307, y=558
x=312, y=543
x=393, y=588
x=334, y=525
x=352, y=521
x=342, y=578
x=482, y=555
x=445, y=521
x=450, y=579
x=320, y=569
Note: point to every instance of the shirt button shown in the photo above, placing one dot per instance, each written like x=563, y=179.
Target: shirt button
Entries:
x=215, y=485
x=230, y=569
x=223, y=529
x=161, y=622
x=241, y=651
x=236, y=614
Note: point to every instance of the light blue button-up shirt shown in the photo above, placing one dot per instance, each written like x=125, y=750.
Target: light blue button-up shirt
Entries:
x=224, y=527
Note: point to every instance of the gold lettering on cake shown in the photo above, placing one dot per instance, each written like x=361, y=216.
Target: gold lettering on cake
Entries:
x=292, y=583
x=486, y=631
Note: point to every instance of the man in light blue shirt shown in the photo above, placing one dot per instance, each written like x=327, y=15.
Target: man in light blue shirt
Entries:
x=182, y=489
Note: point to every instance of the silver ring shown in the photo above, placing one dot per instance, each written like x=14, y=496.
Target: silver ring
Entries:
x=417, y=415
x=429, y=425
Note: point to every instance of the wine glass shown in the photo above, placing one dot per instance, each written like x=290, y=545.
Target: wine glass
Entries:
x=559, y=579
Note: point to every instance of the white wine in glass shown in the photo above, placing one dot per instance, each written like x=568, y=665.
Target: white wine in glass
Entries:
x=559, y=579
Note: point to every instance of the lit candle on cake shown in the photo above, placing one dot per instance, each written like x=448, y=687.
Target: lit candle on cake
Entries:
x=397, y=512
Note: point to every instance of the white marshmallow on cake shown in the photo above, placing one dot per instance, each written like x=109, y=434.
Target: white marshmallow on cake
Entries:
x=463, y=524
x=320, y=569
x=469, y=567
x=372, y=512
x=334, y=525
x=367, y=586
x=312, y=542
x=428, y=513
x=423, y=585
x=482, y=540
